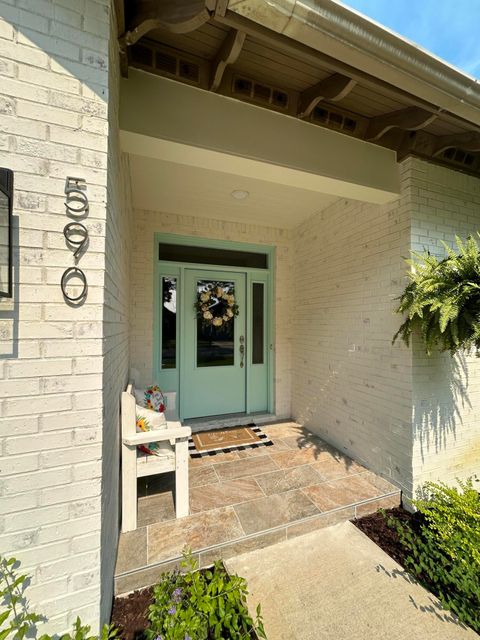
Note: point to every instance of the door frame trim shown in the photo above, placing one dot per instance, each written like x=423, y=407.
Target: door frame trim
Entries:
x=176, y=269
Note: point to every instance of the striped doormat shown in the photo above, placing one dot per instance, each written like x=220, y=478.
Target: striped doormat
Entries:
x=209, y=443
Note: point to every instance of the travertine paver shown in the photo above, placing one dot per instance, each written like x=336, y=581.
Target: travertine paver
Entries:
x=221, y=494
x=275, y=510
x=336, y=584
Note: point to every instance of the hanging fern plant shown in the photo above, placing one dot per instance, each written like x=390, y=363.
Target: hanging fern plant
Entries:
x=442, y=299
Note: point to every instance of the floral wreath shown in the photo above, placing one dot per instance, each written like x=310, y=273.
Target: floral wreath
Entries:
x=154, y=399
x=215, y=305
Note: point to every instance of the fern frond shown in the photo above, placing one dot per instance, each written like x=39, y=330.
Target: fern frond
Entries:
x=442, y=298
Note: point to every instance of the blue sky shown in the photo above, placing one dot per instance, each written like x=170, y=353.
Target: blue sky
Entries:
x=448, y=28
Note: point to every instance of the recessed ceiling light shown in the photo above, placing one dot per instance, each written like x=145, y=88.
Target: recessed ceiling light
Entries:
x=239, y=194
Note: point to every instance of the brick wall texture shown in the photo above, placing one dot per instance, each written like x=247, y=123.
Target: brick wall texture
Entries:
x=61, y=368
x=446, y=391
x=407, y=416
x=115, y=326
x=350, y=385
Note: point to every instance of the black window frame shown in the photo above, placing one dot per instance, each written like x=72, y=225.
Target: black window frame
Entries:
x=6, y=187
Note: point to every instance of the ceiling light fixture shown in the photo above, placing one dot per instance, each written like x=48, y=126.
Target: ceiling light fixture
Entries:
x=239, y=194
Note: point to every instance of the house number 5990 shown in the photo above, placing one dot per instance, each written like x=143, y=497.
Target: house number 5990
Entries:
x=76, y=236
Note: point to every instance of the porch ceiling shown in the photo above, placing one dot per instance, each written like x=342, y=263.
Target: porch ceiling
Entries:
x=189, y=190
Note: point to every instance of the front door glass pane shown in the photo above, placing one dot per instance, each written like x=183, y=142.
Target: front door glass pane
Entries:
x=169, y=322
x=215, y=344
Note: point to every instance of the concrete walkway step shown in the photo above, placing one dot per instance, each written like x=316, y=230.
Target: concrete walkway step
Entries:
x=337, y=584
x=220, y=525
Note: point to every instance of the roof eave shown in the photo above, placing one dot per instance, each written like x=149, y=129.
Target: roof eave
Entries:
x=344, y=34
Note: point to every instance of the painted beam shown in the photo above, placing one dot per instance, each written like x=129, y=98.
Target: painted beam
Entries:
x=174, y=16
x=168, y=120
x=469, y=141
x=333, y=89
x=227, y=54
x=410, y=118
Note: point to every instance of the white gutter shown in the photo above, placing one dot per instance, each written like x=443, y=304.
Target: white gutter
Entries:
x=342, y=33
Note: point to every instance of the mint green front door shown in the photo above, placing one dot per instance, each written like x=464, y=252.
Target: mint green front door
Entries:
x=213, y=381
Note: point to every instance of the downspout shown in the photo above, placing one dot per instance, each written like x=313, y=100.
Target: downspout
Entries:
x=332, y=28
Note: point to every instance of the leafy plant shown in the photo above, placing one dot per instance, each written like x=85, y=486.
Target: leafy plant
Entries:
x=442, y=299
x=199, y=605
x=16, y=622
x=444, y=553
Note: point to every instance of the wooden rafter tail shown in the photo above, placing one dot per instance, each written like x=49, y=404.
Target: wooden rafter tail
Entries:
x=332, y=89
x=468, y=141
x=174, y=16
x=227, y=54
x=410, y=119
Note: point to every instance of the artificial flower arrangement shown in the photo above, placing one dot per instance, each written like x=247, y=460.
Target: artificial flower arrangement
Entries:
x=149, y=417
x=216, y=305
x=154, y=399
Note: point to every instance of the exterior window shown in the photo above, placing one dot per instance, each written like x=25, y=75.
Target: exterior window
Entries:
x=215, y=345
x=169, y=322
x=6, y=198
x=258, y=322
x=208, y=255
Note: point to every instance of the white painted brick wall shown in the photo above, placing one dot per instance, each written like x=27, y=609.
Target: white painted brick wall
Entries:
x=446, y=391
x=141, y=320
x=407, y=416
x=62, y=368
x=115, y=328
x=349, y=384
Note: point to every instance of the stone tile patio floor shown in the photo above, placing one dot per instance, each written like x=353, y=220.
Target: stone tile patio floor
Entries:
x=247, y=500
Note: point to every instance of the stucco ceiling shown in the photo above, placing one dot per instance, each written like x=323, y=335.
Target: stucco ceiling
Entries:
x=158, y=185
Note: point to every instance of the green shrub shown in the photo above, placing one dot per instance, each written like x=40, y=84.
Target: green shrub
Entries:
x=444, y=553
x=442, y=299
x=198, y=605
x=16, y=622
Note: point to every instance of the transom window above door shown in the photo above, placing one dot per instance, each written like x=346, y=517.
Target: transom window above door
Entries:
x=208, y=255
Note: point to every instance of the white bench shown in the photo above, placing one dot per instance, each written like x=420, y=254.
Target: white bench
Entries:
x=136, y=464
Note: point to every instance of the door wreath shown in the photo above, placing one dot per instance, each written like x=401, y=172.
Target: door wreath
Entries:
x=216, y=305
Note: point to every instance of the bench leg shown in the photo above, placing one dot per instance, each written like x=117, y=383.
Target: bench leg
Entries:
x=129, y=488
x=181, y=478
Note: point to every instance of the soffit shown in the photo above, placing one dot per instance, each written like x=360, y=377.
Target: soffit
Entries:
x=277, y=62
x=193, y=191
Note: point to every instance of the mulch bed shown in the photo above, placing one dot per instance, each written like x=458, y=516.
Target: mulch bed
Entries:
x=129, y=614
x=375, y=527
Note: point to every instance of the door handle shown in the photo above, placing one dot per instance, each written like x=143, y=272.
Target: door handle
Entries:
x=242, y=351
